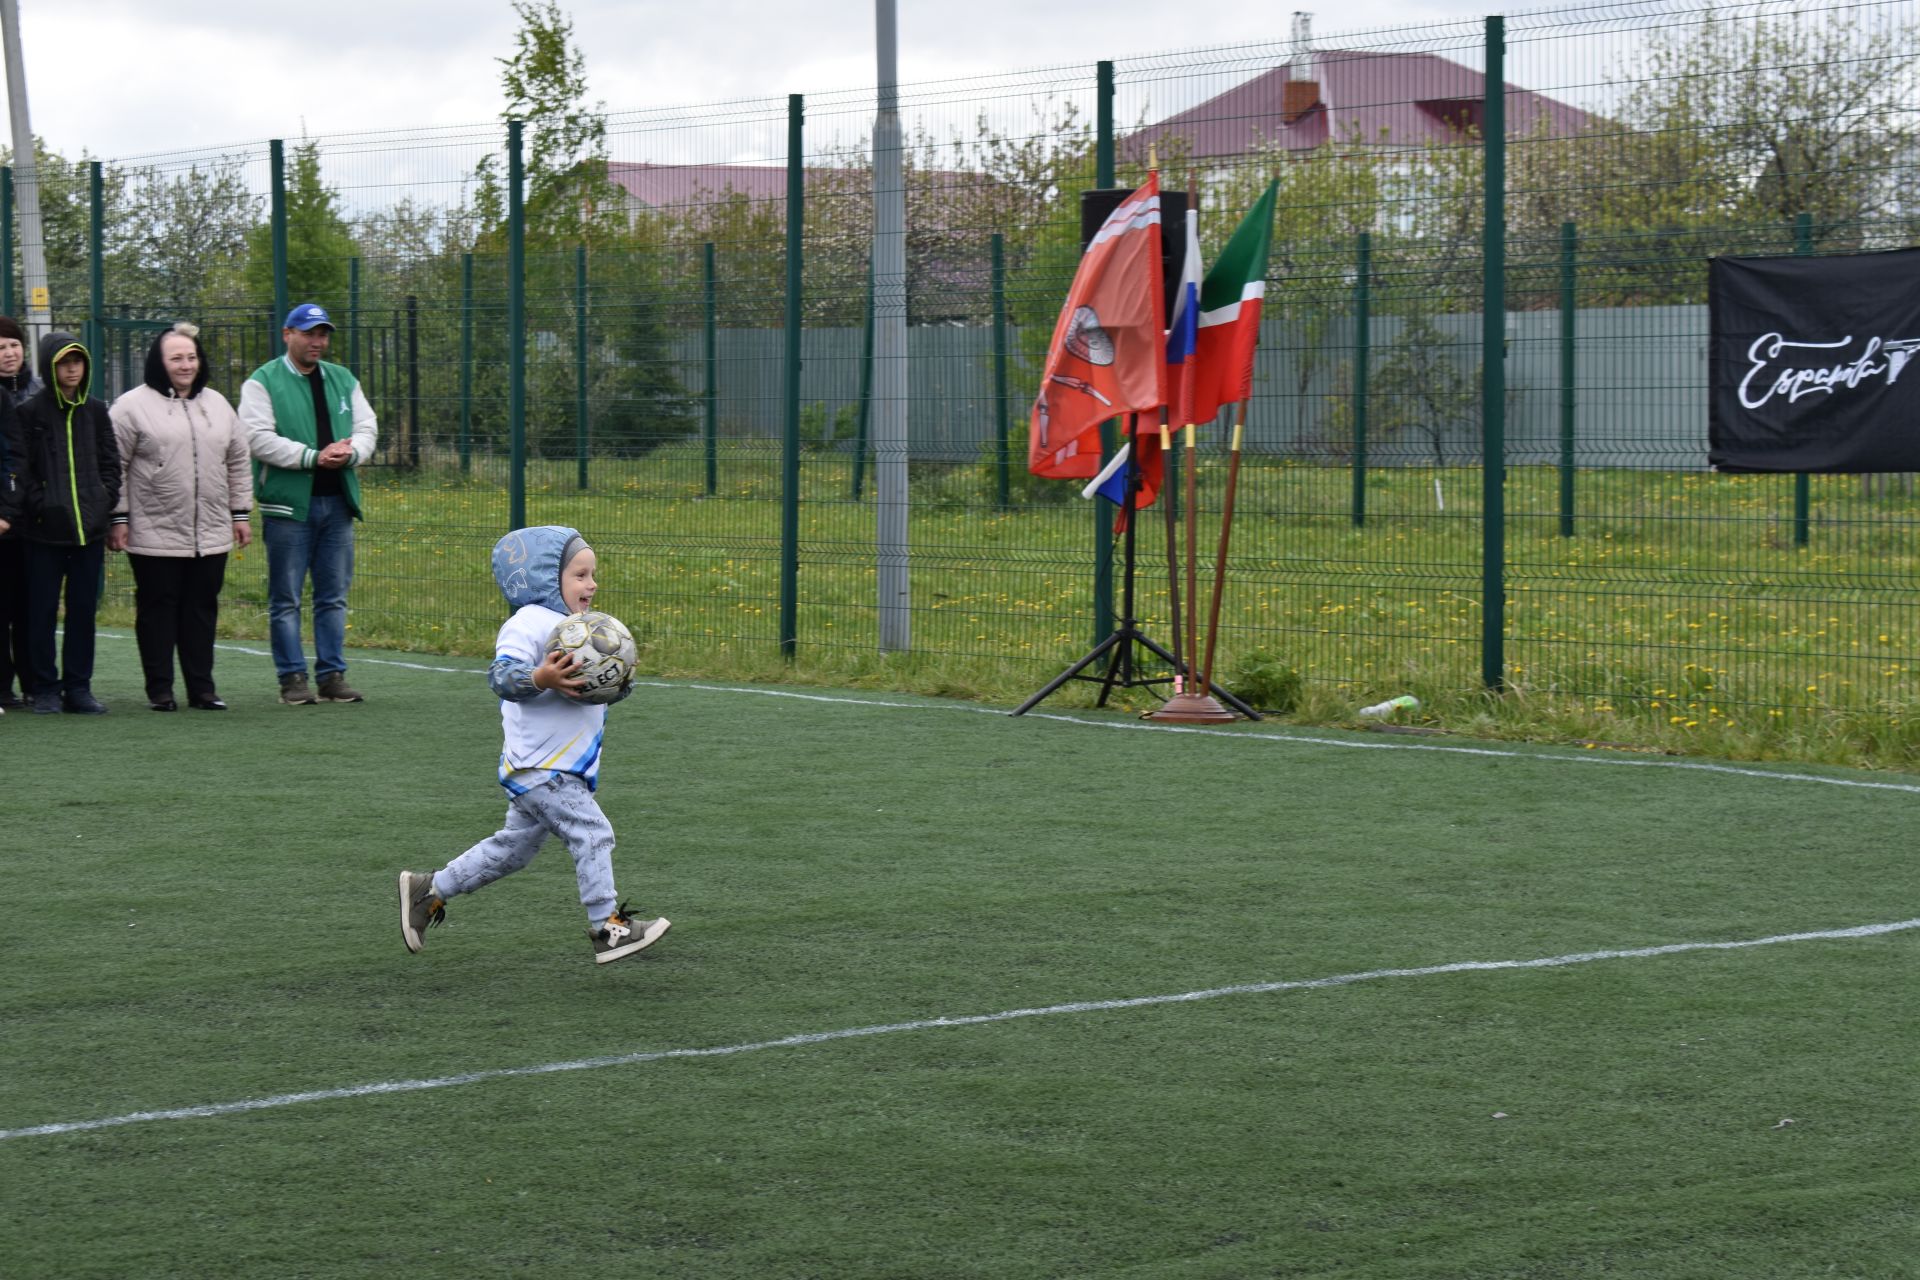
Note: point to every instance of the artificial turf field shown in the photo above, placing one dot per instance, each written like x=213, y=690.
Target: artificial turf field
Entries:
x=948, y=994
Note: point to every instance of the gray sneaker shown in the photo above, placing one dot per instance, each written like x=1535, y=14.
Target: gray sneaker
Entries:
x=295, y=691
x=622, y=935
x=334, y=688
x=420, y=907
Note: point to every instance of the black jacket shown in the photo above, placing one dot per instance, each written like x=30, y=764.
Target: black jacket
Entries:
x=65, y=459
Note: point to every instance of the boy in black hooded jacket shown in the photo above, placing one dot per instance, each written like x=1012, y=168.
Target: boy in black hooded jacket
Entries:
x=66, y=481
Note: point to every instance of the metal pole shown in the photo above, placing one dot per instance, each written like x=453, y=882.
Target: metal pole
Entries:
x=863, y=411
x=353, y=314
x=466, y=363
x=6, y=242
x=1362, y=354
x=710, y=295
x=26, y=180
x=891, y=441
x=1802, y=488
x=1103, y=178
x=277, y=168
x=96, y=261
x=1493, y=341
x=1002, y=446
x=580, y=426
x=413, y=381
x=516, y=330
x=1569, y=247
x=790, y=391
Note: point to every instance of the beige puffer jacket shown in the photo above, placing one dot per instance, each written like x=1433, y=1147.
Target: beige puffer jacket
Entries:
x=186, y=475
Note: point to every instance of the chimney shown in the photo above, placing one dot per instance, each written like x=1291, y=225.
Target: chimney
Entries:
x=1301, y=93
x=1297, y=98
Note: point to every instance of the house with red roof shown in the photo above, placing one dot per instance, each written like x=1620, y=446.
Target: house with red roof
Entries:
x=1371, y=98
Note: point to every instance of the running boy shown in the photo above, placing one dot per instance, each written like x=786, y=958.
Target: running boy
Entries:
x=551, y=762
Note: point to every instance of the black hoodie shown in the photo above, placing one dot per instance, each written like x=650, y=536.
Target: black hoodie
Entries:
x=155, y=372
x=65, y=459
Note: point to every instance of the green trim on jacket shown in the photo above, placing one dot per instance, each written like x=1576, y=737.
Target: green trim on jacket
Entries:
x=284, y=493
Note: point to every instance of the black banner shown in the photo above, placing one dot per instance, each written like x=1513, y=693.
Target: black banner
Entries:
x=1807, y=365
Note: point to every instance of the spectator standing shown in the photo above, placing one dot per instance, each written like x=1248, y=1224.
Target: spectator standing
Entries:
x=184, y=501
x=309, y=426
x=66, y=473
x=16, y=384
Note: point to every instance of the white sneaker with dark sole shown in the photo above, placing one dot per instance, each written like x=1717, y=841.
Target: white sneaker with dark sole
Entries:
x=622, y=936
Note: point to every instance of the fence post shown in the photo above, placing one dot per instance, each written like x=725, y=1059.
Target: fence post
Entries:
x=413, y=381
x=516, y=330
x=1362, y=356
x=1493, y=358
x=710, y=297
x=466, y=363
x=863, y=412
x=6, y=241
x=96, y=291
x=1001, y=485
x=353, y=315
x=1569, y=398
x=1802, y=486
x=395, y=392
x=126, y=378
x=581, y=428
x=790, y=424
x=1103, y=177
x=277, y=216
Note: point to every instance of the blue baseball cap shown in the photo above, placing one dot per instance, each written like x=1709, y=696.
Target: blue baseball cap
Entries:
x=308, y=315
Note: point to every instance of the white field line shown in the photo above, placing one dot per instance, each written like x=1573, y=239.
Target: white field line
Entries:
x=213, y=1109
x=1289, y=739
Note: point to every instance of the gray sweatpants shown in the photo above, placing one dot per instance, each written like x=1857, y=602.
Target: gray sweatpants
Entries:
x=562, y=806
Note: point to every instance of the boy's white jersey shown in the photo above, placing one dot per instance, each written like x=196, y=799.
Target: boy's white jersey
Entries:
x=548, y=733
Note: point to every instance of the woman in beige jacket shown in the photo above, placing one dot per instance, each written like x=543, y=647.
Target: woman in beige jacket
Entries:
x=184, y=501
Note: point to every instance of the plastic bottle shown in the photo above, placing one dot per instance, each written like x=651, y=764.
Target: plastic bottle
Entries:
x=1405, y=701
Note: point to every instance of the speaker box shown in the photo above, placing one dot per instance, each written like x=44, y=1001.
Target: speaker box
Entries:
x=1097, y=206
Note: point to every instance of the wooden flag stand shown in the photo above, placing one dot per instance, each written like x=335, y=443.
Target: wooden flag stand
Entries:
x=1202, y=707
x=1118, y=647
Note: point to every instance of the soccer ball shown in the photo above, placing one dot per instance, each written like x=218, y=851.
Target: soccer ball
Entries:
x=603, y=648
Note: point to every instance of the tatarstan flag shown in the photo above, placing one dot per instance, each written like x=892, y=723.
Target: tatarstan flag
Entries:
x=1230, y=299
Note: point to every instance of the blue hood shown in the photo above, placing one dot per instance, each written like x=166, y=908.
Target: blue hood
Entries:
x=526, y=564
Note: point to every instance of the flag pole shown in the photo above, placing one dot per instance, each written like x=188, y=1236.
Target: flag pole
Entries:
x=1220, y=559
x=1173, y=561
x=1196, y=703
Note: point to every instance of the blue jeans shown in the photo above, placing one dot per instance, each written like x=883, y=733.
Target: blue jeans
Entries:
x=321, y=545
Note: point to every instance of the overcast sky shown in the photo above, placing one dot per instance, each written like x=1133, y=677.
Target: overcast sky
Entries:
x=121, y=78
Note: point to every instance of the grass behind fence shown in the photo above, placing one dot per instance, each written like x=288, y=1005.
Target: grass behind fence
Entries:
x=1681, y=614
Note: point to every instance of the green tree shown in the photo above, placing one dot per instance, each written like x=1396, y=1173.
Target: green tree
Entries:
x=319, y=242
x=66, y=221
x=183, y=237
x=1727, y=130
x=635, y=397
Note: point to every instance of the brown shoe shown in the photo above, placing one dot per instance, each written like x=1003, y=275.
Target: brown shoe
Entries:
x=295, y=691
x=334, y=688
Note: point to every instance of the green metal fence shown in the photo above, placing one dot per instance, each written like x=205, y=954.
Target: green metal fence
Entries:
x=1476, y=449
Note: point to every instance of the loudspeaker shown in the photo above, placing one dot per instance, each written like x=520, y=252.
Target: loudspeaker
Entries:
x=1097, y=206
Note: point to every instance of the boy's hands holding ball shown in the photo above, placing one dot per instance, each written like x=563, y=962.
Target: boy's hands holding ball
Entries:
x=556, y=672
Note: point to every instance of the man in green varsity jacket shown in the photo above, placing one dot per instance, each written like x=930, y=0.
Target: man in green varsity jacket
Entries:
x=308, y=426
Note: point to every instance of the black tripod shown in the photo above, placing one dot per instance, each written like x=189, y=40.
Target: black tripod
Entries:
x=1118, y=646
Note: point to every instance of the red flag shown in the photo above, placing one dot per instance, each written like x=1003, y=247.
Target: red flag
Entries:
x=1230, y=299
x=1108, y=356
